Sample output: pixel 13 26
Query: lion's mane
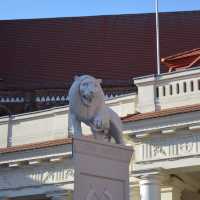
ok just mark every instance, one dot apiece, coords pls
pixel 85 113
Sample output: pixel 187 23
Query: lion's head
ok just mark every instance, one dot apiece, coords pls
pixel 87 89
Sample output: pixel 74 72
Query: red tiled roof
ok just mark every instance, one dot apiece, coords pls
pixel 162 113
pixel 182 60
pixel 38 145
pixel 47 53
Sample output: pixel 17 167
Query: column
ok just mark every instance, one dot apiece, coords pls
pixel 150 187
pixel 135 193
pixel 65 195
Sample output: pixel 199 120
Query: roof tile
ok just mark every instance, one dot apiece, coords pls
pixel 162 113
pixel 47 53
pixel 38 145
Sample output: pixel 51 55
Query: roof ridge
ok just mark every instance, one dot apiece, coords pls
pixel 97 16
pixel 38 145
pixel 161 113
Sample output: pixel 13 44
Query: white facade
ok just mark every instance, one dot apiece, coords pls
pixel 166 141
pixel 51 124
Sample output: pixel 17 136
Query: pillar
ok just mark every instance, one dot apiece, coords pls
pixel 150 187
pixel 108 175
pixel 135 193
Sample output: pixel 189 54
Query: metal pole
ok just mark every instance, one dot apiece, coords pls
pixel 157 39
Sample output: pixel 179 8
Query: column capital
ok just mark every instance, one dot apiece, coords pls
pixel 150 176
pixel 151 179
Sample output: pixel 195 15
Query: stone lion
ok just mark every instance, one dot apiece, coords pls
pixel 86 104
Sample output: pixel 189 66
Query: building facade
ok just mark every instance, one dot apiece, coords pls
pixel 163 129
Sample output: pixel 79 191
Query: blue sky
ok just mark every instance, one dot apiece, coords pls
pixel 24 9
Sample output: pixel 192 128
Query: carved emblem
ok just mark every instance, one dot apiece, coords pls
pixel 158 150
pixel 69 172
pixel 52 176
pixel 186 145
pixel 46 176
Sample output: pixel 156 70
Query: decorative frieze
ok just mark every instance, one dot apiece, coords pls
pixel 11 99
pixel 168 148
pixel 35 176
pixel 51 176
pixel 62 98
pixel 51 98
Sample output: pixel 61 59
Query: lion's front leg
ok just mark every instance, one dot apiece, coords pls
pixel 98 122
pixel 74 126
pixel 102 120
pixel 96 130
pixel 100 126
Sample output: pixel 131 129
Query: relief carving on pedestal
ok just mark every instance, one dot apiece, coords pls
pixel 92 195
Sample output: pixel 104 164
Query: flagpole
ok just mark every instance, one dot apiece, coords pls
pixel 157 39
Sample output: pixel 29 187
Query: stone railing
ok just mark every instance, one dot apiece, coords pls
pixel 51 123
pixel 181 92
pixel 179 88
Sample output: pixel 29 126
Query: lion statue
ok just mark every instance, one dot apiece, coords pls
pixel 87 105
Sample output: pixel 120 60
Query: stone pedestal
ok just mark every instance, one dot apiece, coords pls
pixel 101 170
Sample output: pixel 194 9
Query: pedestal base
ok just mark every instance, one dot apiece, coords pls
pixel 101 170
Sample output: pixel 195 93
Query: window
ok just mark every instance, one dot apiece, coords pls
pixel 170 90
pixel 157 92
pixel 164 91
pixel 198 84
pixel 184 87
pixel 191 86
pixel 177 88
